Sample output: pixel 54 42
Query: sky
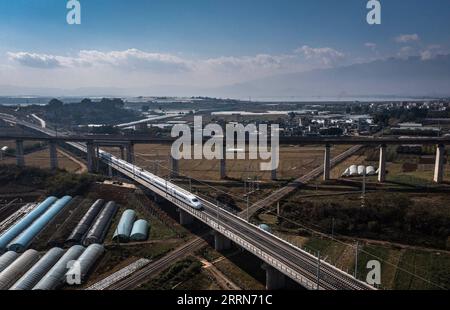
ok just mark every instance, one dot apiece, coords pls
pixel 198 44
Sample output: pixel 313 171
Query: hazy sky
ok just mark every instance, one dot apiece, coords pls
pixel 205 43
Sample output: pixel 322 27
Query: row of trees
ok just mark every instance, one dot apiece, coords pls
pixel 400 114
pixel 106 111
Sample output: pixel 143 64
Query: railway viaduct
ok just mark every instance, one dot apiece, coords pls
pixel 281 259
pixel 126 146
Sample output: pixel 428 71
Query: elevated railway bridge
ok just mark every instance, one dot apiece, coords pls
pixel 281 259
pixel 126 145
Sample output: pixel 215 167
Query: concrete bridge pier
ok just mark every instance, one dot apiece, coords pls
pixel 439 166
pixel 185 218
pixel 221 242
pixel 175 172
pixel 275 153
pixel 273 175
pixel 53 155
pixel 382 164
pixel 129 149
pixel 90 157
pixel 223 160
pixel 327 163
pixel 275 280
pixel 122 152
pixel 156 197
pixel 20 158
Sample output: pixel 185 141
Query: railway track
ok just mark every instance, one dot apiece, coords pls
pixel 292 186
pixel 143 275
pixel 330 277
pixel 288 259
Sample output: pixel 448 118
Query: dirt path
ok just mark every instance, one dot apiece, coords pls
pixel 222 280
pixel 83 167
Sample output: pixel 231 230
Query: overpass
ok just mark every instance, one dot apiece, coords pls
pixel 127 142
pixel 281 259
pixel 138 139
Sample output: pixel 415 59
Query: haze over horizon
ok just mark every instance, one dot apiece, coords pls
pixel 211 48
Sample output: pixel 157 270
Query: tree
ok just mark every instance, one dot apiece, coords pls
pixel 55 104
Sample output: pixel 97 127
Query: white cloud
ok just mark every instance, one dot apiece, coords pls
pixel 431 52
pixel 137 68
pixel 35 60
pixel 406 51
pixel 131 59
pixel 246 63
pixel 134 59
pixel 326 56
pixel 370 45
pixel 406 38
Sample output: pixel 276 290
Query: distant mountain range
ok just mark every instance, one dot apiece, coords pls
pixel 393 77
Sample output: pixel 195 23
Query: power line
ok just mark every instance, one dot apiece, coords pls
pixel 308 228
pixel 362 251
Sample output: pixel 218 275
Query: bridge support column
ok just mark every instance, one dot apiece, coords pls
pixel 382 164
pixel 273 174
pixel 174 173
pixel 221 242
pixel 122 152
pixel 327 163
pixel 275 280
pixel 223 161
pixel 20 158
pixel 53 155
pixel 185 218
pixel 275 161
pixel 439 166
pixel 156 197
pixel 130 153
pixel 91 157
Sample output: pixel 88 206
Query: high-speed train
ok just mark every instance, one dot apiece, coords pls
pixel 166 186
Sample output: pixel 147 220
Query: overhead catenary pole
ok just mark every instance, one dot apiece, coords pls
pixel 332 227
pixel 248 219
pixel 355 274
pixel 217 209
pixel 363 193
pixel 318 269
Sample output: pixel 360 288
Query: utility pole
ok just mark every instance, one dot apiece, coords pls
pixel 248 219
pixel 356 260
pixel 363 194
pixel 217 208
pixel 332 227
pixel 166 184
pixel 318 270
pixel 190 185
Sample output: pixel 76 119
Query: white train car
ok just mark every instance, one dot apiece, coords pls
pixel 164 185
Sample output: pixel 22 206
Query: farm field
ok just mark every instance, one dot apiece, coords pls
pixel 295 161
pixel 41 159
